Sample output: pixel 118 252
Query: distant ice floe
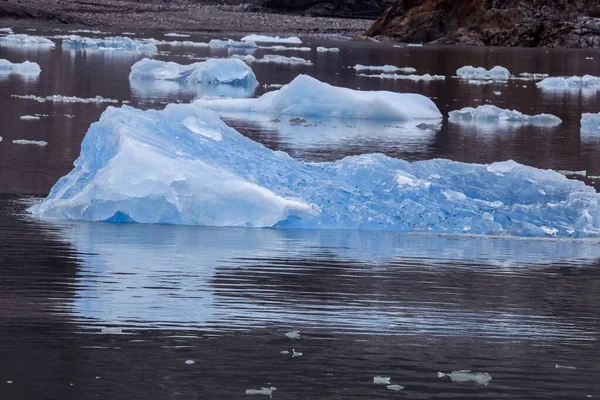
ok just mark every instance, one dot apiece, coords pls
pixel 570 83
pixel 590 123
pixel 491 114
pixel 40 143
pixel 384 68
pixel 26 68
pixel 308 97
pixel 232 44
pixel 265 391
pixel 25 40
pixel 414 45
pixel 558 366
pixel 271 39
pixel 173 43
pixel 273 59
pixel 327 49
pixel 30 117
pixel 533 76
pixel 381 380
pixel 395 387
pixel 6 30
pixel 75 42
pixel 284 48
pixel 466 375
pixel 174 34
pixel 470 72
pixel 293 334
pixel 425 77
pixel 57 98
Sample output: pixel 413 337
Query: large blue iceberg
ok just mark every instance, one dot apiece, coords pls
pixel 183 165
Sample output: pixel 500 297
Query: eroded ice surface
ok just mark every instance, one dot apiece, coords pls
pixel 26 68
pixel 466 375
pixel 590 123
pixel 22 39
pixel 273 59
pixel 470 72
pixel 306 96
pixel 213 71
pixel 384 68
pixel 75 42
pixel 491 114
pixel 183 165
pixel 271 39
pixel 570 83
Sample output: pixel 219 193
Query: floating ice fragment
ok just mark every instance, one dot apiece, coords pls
pixel 533 76
pixel 9 382
pixel 590 123
pixel 26 68
pixel 384 68
pixel 284 352
pixel 558 366
pixel 108 43
pixel 232 44
pixel 572 173
pixel 570 83
pixel 326 49
pixel 29 117
pixel 426 77
pixel 293 334
pixel 296 353
pixel 40 143
pixel 262 391
pixel 470 72
pixel 173 34
pixel 307 97
pixel 395 387
pixel 111 330
pixel 271 39
pixel 190 362
pixel 466 375
pixel 497 92
pixel 414 45
pixel 480 82
pixel 25 40
pixel 273 59
pixel 0 138
pixel 6 30
pixel 491 114
pixel 57 98
pixel 381 380
pixel 284 48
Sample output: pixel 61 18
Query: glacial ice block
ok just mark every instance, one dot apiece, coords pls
pixel 570 83
pixel 75 42
pixel 26 68
pixel 306 96
pixel 232 44
pixel 470 72
pixel 22 39
pixel 271 39
pixel 183 165
pixel 491 114
pixel 212 71
pixel 590 123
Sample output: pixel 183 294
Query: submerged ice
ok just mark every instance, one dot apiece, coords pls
pixel 491 114
pixel 183 165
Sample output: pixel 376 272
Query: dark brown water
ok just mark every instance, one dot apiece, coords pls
pixel 94 310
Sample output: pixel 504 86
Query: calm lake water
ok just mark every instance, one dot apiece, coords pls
pixel 107 311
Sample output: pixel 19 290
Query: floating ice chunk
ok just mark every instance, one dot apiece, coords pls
pixel 570 83
pixel 57 98
pixel 533 76
pixel 426 77
pixel 173 34
pixel 284 352
pixel 480 81
pixel 108 43
pixel 497 92
pixel 40 143
pixel 6 30
pixel 296 353
pixel 307 97
pixel 190 362
pixel 470 72
pixel 188 43
pixel 327 49
pixel 0 138
pixel 25 40
pixel 232 44
pixel 29 117
pixel 273 59
pixel 395 387
pixel 414 45
pixel 148 167
pixel 262 391
pixel 572 173
pixel 111 330
pixel 384 68
pixel 284 48
pixel 293 334
pixel 271 39
pixel 590 123
pixel 26 68
pixel 558 366
pixel 381 380
pixel 466 375
pixel 491 114
pixel 213 71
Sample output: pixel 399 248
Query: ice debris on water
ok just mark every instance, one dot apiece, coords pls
pixel 57 98
pixel 271 39
pixel 327 49
pixel 296 353
pixel 395 387
pixel 284 352
pixel 479 82
pixel 284 48
pixel 307 97
pixel 27 68
pixel 426 77
pixel 570 83
pixel 558 366
pixel 384 68
pixel 0 138
pixel 40 143
pixel 265 391
pixel 6 30
pixel 190 362
pixel 381 380
pixel 232 44
pixel 590 123
pixel 213 71
pixel 465 375
pixel 174 34
pixel 414 45
pixel 273 59
pixel 25 40
pixel 29 117
pixel 75 42
pixel 293 334
pixel 491 114
pixel 183 165
pixel 470 72
pixel 111 330
pixel 533 76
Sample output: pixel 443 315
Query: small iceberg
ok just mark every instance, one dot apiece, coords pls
pixel 466 375
pixel 410 77
pixel 273 59
pixel 271 39
pixel 590 123
pixel 284 48
pixel 25 40
pixel 26 68
pixel 381 380
pixel 75 42
pixel 470 72
pixel 384 68
pixel 308 97
pixel 213 71
pixel 533 76
pixel 327 50
pixel 6 30
pixel 293 334
pixel 491 114
pixel 265 391
pixel 183 165
pixel 174 34
pixel 30 117
pixel 57 98
pixel 395 387
pixel 570 83
pixel 232 44
pixel 40 143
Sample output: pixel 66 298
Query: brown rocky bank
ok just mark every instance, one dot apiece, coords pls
pixel 532 23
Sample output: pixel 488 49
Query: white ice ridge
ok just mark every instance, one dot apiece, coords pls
pixel 470 72
pixel 570 83
pixel 232 44
pixel 25 68
pixel 183 165
pixel 384 68
pixel 40 143
pixel 174 34
pixel 284 48
pixel 214 71
pixel 409 77
pixel 273 59
pixel 488 113
pixel 590 123
pixel 327 49
pixel 307 97
pixel 57 98
pixel 22 39
pixel 271 39
pixel 465 375
pixel 188 43
pixel 75 42
pixel 533 76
